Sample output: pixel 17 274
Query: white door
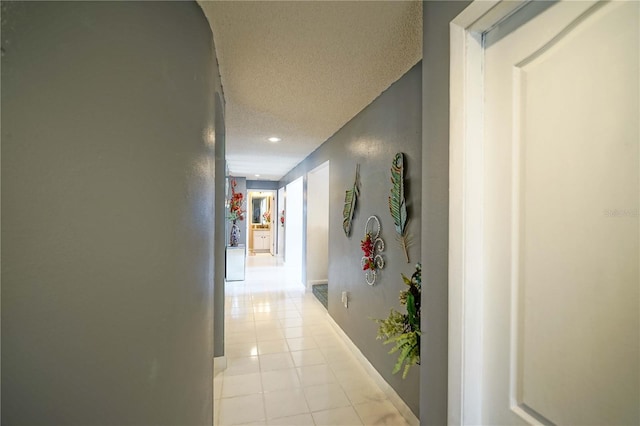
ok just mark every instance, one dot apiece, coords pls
pixel 545 232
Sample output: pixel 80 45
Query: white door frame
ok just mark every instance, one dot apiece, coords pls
pixel 466 171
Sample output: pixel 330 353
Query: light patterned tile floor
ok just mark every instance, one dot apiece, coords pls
pixel 285 363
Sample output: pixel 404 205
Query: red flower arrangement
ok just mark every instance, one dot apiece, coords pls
pixel 367 248
pixel 235 204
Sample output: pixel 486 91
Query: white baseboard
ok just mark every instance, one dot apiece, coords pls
pixel 395 399
pixel 219 364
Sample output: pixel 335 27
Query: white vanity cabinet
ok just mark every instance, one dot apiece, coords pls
pixel 261 240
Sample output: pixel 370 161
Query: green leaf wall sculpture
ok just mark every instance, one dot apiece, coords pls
pixel 397 203
pixel 350 199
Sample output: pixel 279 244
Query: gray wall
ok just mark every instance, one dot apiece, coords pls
pixel 263 185
pixel 107 213
pixel 390 124
pixel 435 208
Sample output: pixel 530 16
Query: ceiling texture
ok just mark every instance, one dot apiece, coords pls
pixel 300 70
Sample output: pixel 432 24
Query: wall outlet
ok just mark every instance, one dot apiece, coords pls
pixel 345 299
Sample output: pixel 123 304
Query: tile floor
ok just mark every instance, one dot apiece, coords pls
pixel 285 363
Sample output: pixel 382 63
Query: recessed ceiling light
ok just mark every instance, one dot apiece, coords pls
pixel 274 139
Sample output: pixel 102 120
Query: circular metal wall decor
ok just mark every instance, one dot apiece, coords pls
pixel 372 245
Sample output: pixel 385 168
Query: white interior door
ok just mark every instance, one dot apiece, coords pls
pixel 545 215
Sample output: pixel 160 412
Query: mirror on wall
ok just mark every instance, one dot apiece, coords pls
pixel 260 205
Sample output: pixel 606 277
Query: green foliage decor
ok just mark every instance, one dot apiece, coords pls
pixel 403 330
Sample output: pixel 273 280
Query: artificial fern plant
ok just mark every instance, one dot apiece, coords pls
pixel 403 330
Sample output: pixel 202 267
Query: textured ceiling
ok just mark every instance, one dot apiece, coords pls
pixel 300 70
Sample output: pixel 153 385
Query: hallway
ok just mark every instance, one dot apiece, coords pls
pixel 286 364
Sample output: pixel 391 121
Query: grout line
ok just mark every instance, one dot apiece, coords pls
pixel 297 300
pixel 393 397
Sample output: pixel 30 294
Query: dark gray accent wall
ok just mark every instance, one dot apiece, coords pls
pixel 107 213
pixel 390 124
pixel 435 208
pixel 263 185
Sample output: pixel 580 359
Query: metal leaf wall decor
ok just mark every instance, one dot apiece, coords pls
pixel 372 245
pixel 397 203
pixel 350 199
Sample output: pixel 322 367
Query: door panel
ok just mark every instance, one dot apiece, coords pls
pixel 561 226
pixel 578 274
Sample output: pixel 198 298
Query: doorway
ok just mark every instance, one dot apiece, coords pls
pixel 294 228
pixel 261 210
pixel 281 222
pixel 317 246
